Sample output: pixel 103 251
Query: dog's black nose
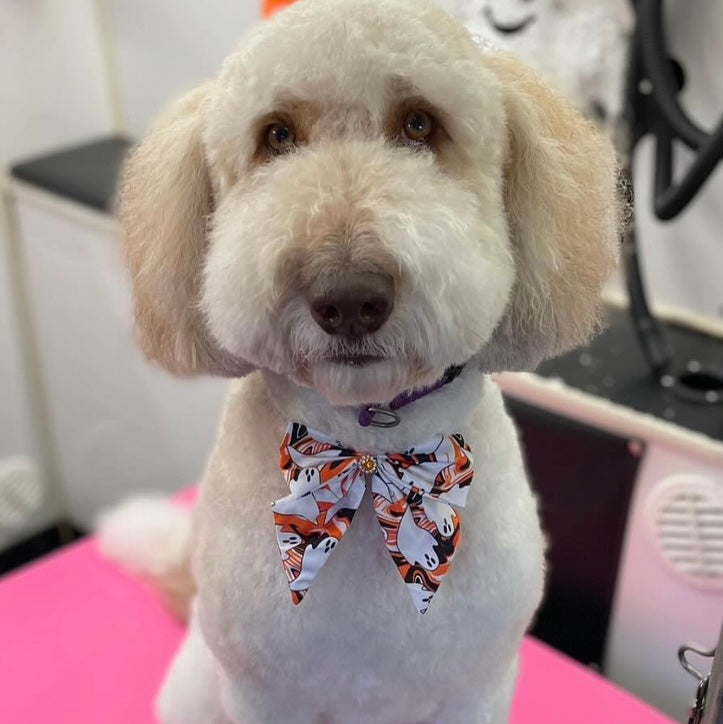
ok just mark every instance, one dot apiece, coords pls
pixel 355 305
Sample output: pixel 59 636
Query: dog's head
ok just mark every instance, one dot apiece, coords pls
pixel 362 199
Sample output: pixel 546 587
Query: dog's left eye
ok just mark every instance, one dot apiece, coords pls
pixel 280 138
pixel 419 127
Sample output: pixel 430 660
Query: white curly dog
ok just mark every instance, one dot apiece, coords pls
pixel 360 201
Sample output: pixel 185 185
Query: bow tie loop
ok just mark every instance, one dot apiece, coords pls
pixel 413 494
pixel 441 469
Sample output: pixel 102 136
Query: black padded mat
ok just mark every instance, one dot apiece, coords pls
pixel 38 545
pixel 87 173
pixel 613 367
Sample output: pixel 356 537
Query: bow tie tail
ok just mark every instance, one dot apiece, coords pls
pixel 309 528
pixel 421 539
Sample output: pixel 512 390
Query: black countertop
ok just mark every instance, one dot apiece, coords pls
pixel 613 367
pixel 86 173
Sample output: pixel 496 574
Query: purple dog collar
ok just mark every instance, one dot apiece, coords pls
pixel 386 415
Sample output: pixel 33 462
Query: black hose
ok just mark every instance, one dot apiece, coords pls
pixel 656 110
pixel 656 61
pixel 671 199
pixel 650 333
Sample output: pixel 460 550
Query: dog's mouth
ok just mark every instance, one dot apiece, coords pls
pixel 355 360
pixel 508 28
pixel 353 378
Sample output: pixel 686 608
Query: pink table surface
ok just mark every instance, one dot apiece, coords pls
pixel 83 643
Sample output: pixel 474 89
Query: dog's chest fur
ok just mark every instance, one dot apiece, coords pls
pixel 356 635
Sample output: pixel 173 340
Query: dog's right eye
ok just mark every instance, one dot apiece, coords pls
pixel 419 127
pixel 280 138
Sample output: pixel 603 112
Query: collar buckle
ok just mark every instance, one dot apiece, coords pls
pixel 386 417
pixel 379 417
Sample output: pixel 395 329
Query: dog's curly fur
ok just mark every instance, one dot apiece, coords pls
pixel 498 235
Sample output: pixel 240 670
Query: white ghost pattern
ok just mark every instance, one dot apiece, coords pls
pixel 416 544
pixel 440 514
pixel 312 561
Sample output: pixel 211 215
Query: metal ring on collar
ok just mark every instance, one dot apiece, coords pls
pixel 383 417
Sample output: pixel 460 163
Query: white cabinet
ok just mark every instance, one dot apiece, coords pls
pixel 117 424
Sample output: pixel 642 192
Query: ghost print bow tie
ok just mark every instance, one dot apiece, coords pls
pixel 413 496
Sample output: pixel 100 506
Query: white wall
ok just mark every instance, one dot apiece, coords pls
pixel 52 81
pixel 52 91
pixel 163 47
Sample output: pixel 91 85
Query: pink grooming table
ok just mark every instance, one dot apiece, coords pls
pixel 83 643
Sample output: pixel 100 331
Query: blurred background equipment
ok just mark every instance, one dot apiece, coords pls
pixel 630 472
pixel 653 108
pixel 580 46
pixel 708 702
pixel 272 6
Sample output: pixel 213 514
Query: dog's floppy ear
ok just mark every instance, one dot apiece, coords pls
pixel 564 214
pixel 165 202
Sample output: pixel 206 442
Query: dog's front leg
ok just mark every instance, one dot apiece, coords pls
pixel 487 703
pixel 254 704
pixel 190 692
